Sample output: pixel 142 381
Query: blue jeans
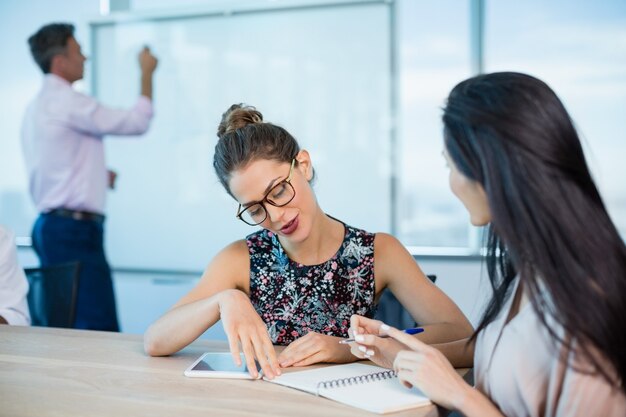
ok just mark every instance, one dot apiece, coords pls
pixel 61 239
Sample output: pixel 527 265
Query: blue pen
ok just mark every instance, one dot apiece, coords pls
pixel 414 330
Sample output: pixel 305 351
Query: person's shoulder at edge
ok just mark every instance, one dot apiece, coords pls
pixel 5 236
pixel 12 281
pixel 7 240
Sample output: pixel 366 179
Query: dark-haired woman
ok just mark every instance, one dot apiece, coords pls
pixel 299 279
pixel 552 341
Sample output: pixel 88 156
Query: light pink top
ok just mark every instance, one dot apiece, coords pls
pixel 517 366
pixel 63 149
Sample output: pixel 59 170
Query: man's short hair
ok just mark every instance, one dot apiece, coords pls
pixel 49 41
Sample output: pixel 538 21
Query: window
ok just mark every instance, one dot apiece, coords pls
pixel 579 49
pixel 433 56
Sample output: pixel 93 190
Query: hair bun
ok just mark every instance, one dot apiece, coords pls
pixel 238 116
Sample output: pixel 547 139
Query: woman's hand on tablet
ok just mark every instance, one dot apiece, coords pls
pixel 244 327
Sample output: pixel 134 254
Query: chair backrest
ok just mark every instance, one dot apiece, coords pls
pixel 52 294
pixel 391 311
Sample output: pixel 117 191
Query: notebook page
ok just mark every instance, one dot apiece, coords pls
pixel 380 396
pixel 308 380
pixel 383 396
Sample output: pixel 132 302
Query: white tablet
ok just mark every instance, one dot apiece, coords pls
pixel 220 365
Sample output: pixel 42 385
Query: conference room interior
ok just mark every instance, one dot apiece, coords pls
pixel 360 83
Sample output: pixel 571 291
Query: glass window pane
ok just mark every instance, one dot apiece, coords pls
pixel 433 56
pixel 579 49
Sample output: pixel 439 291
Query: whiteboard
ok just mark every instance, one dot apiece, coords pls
pixel 323 73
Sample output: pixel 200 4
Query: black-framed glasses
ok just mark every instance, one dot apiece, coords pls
pixel 278 196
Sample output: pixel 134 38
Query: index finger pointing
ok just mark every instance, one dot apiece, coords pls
pixel 402 337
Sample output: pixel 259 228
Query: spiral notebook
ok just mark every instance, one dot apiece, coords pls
pixel 368 387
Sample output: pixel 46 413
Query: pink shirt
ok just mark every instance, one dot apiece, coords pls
pixel 517 366
pixel 62 143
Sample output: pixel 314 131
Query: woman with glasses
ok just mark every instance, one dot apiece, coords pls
pixel 299 279
pixel 552 340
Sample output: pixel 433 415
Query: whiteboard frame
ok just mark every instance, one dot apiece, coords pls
pixel 256 7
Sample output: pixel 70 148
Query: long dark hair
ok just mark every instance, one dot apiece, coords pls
pixel 244 137
pixel 549 226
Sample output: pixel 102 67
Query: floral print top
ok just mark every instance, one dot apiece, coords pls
pixel 294 299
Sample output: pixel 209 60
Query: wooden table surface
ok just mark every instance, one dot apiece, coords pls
pixel 61 372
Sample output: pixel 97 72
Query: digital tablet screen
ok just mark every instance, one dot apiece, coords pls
pixel 222 362
pixel 219 365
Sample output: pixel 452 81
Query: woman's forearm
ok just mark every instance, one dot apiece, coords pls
pixel 450 339
pixel 445 332
pixel 458 352
pixel 181 326
pixel 476 404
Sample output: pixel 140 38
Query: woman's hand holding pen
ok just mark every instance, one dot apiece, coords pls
pixel 427 369
pixel 244 327
pixel 313 348
pixel 369 344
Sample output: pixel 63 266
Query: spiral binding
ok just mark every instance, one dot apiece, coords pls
pixel 354 380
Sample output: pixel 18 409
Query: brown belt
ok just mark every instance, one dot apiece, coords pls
pixel 77 215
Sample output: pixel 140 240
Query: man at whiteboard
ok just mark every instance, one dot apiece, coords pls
pixel 62 136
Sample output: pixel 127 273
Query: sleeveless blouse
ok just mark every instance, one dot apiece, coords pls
pixel 294 299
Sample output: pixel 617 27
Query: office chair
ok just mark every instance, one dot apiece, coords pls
pixel 52 294
pixel 390 310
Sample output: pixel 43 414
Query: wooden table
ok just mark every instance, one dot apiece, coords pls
pixel 61 372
